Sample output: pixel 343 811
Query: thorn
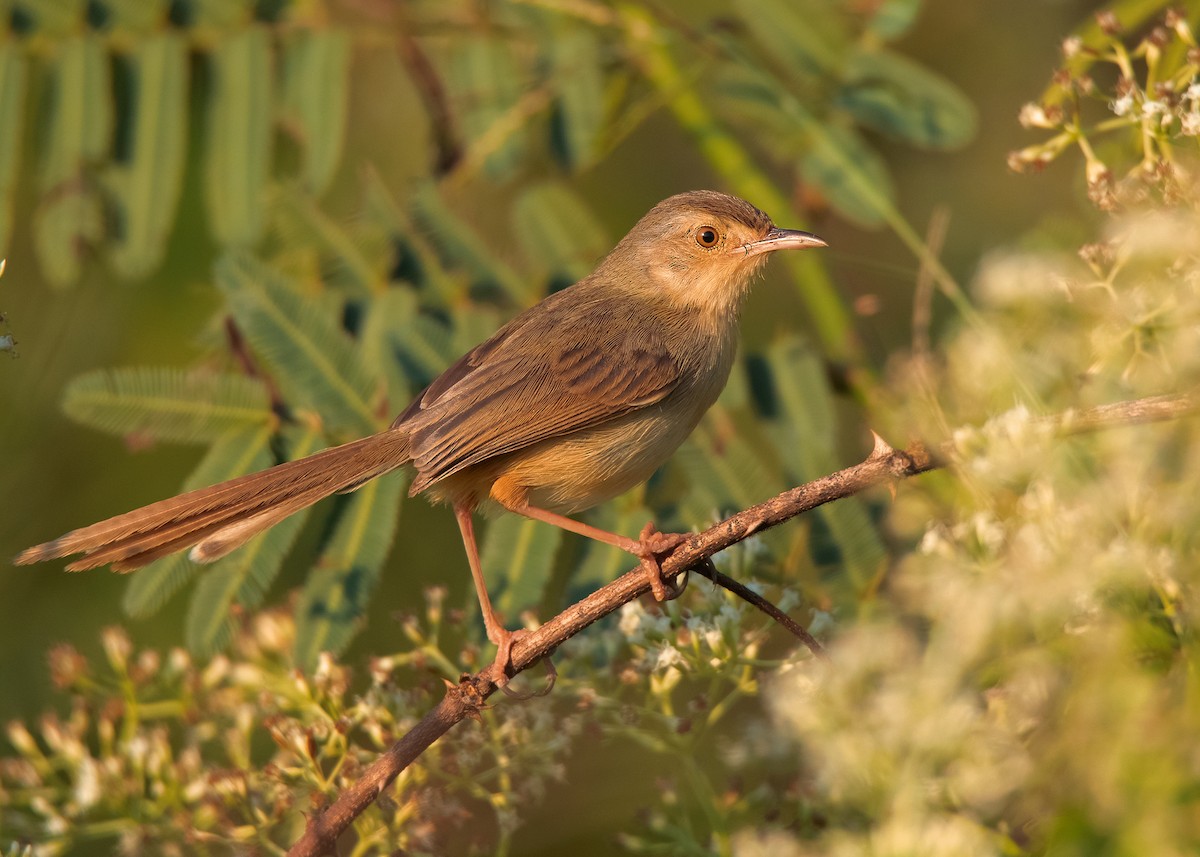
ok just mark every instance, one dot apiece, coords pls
pixel 882 448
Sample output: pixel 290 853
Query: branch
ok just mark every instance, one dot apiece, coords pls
pixel 883 465
pixel 707 569
pixel 447 147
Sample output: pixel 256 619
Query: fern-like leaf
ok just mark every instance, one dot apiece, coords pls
pixel 317 365
pixel 335 597
pixel 558 232
pixel 148 184
pixel 239 136
pixel 387 315
pixel 460 245
pixel 243 577
pixel 70 219
pixel 518 554
pixel 167 404
pixel 236 453
pixel 315 98
pixel 807 439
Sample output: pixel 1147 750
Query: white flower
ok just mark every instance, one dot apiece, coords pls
pixel 1033 116
pixel 1153 108
pixel 666 657
pixel 1123 106
pixel 87 783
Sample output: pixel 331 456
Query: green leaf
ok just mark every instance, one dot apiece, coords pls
pixel 473 324
pixel 238 452
pixel 579 86
pixel 243 577
pixel 79 133
pixel 239 136
pixel 558 232
pixel 428 345
pixel 486 85
pixel 418 262
pixel 893 18
pixel 335 597
pixel 458 243
pixel 316 364
pixel 754 99
pixel 53 18
pixel 138 16
pixel 851 174
pixel 298 221
pixel 806 436
pixel 146 185
pixel 153 586
pixel 12 98
pixel 892 94
pixel 833 157
pixel 518 553
pixel 387 315
pixel 218 15
pixel 316 68
pixel 806 37
pixel 603 563
pixel 167 404
pixel 724 470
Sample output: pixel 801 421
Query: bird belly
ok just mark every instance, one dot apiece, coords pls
pixel 583 469
pixel 586 468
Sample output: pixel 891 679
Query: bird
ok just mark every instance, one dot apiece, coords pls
pixel 574 401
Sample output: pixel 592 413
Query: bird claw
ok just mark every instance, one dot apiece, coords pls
pixel 504 660
pixel 653 544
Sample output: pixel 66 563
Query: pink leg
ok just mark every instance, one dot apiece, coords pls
pixel 648 548
pixel 496 632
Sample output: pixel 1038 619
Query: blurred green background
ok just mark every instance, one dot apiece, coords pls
pixel 56 474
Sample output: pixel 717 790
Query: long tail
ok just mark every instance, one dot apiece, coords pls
pixel 225 516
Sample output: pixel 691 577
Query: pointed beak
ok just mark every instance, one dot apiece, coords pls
pixel 783 239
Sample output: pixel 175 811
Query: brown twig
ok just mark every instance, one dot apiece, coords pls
pixel 447 146
pixel 741 590
pixel 465 699
pixel 245 360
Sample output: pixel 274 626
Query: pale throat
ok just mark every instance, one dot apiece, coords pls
pixel 716 289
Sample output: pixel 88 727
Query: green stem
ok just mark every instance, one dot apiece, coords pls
pixel 707 798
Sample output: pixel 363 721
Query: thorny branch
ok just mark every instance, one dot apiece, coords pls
pixel 883 465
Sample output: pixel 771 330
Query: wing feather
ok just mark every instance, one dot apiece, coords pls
pixel 536 378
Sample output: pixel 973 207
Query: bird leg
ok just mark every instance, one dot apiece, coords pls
pixel 649 547
pixel 496 632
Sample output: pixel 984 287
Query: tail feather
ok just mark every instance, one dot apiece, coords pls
pixel 233 536
pixel 226 515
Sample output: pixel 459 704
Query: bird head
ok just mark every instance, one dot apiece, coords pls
pixel 700 249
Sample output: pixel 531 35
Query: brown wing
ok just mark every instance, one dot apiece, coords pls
pixel 542 376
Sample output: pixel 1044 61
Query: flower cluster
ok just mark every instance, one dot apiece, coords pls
pixel 162 755
pixel 1155 100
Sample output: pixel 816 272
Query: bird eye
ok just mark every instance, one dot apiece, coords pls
pixel 707 236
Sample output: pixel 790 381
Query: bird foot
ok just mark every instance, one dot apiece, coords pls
pixel 504 660
pixel 651 546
